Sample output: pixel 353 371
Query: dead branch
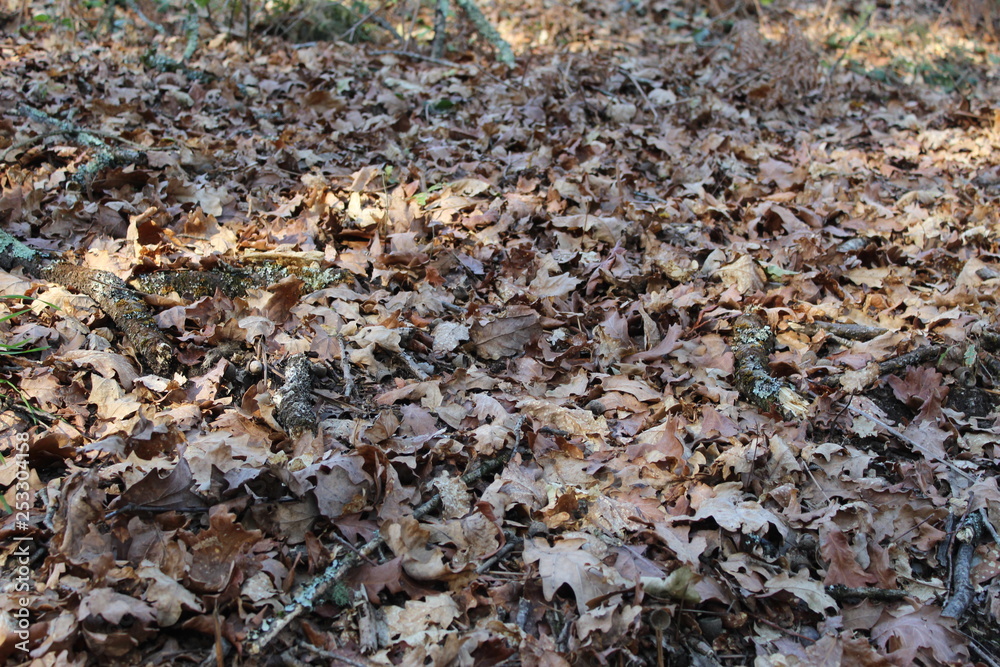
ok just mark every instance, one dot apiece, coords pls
pixel 122 304
pixel 105 157
pixel 504 53
pixel 752 344
pixel 842 593
pixel 849 331
pixel 897 364
pixel 295 410
pixel 968 535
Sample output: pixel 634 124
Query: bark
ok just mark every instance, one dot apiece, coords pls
pixel 295 410
pixel 122 304
pixel 752 345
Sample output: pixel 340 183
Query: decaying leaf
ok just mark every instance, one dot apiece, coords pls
pixel 505 336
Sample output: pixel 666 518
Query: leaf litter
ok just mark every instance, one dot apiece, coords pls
pixel 552 266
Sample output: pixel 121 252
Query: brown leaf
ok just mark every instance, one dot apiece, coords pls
pixel 343 486
pixel 506 336
pixel 172 491
pixel 214 551
pixel 843 568
pixel 567 562
pixel 906 634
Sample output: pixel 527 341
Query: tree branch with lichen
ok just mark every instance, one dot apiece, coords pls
pixel 752 344
pixel 125 306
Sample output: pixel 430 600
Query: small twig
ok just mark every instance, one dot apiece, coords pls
pixel 513 542
pixel 984 655
pixel 850 331
pixel 330 655
pixel 790 633
pixel 988 525
pixel 896 433
pixel 290 660
pixel 349 33
pixel 649 105
pixel 841 593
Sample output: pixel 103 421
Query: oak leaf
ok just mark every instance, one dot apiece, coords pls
pixel 506 336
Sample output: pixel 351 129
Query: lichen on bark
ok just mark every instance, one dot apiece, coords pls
pixel 123 304
pixel 295 410
pixel 752 344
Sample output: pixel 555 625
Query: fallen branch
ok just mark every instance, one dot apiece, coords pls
pixel 849 331
pixel 105 157
pixel 504 53
pixel 295 410
pixel 842 593
pixel 122 304
pixel 897 364
pixel 752 344
pixel 968 535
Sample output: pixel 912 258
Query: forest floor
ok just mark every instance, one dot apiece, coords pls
pixel 535 270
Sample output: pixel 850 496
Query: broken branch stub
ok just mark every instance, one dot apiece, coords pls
pixel 752 344
pixel 295 410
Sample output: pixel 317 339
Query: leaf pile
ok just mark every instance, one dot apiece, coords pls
pixel 548 262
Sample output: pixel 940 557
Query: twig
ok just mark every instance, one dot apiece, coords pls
pixel 968 535
pixel 373 13
pixel 410 363
pixel 841 593
pixel 896 364
pixel 790 633
pixel 850 331
pixel 504 53
pixel 984 655
pixel 330 655
pixel 642 92
pixel 512 543
pixel 896 433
